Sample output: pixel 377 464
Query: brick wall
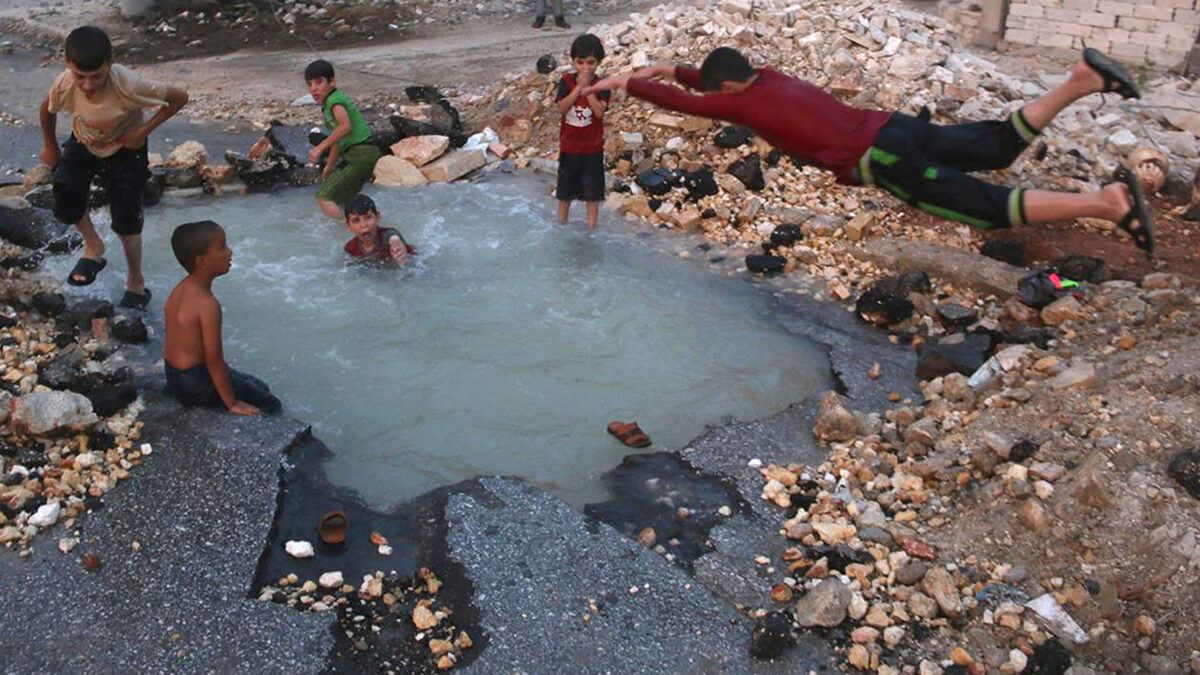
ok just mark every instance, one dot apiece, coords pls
pixel 1162 31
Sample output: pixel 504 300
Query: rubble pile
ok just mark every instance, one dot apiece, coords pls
pixel 935 539
pixel 682 172
pixel 382 603
pixel 68 406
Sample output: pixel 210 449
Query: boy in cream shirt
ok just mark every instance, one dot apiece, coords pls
pixel 108 137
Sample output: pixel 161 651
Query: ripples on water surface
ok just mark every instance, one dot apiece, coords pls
pixel 506 349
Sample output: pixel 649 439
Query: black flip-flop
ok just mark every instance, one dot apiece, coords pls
pixel 1116 78
pixel 133 300
pixel 88 269
pixel 1143 236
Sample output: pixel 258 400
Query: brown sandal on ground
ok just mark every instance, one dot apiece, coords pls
pixel 630 434
pixel 332 528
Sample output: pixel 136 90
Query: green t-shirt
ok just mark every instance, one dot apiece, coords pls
pixel 359 131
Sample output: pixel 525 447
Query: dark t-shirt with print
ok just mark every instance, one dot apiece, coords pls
pixel 580 132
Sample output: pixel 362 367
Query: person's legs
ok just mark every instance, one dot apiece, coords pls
pixel 72 192
pixel 347 180
pixel 330 208
pixel 127 172
pixel 1044 206
pixel 254 391
pixel 132 243
pixel 994 144
pixel 569 186
pixel 591 184
pixel 539 18
pixel 593 214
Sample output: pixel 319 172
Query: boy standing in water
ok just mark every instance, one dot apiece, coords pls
pixel 349 139
pixel 924 164
pixel 370 241
pixel 108 138
pixel 581 136
pixel 192 355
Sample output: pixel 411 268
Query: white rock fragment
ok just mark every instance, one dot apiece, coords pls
pixel 47 514
pixel 299 549
pixel 330 580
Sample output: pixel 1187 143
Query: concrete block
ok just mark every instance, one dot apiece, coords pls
pixel 1187 17
pixel 1064 15
pixel 1098 19
pixel 1114 35
pixel 1072 29
pixel 454 165
pixel 1168 30
pixel 1129 51
pixel 1059 41
pixel 393 171
pixel 1021 36
pixel 1082 5
pixel 1026 10
pixel 1118 8
pixel 1147 39
pixel 1133 23
pixel 1148 11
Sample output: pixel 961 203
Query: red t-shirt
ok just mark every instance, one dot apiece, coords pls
pixel 581 132
pixel 795 116
pixel 383 249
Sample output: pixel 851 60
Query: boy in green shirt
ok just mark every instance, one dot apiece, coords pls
pixel 349 139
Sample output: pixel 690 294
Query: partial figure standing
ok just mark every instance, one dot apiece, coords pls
pixel 556 5
pixel 108 139
pixel 581 132
pixel 352 155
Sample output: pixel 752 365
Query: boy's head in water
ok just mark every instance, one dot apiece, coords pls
pixel 586 54
pixel 200 247
pixel 319 78
pixel 725 71
pixel 362 218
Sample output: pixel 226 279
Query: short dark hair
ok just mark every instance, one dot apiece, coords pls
pixel 88 48
pixel 359 205
pixel 318 68
pixel 722 65
pixel 191 240
pixel 587 45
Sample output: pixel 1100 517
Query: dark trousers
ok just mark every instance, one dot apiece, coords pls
pixel 927 166
pixel 194 387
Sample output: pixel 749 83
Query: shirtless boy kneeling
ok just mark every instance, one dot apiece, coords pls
pixel 192 354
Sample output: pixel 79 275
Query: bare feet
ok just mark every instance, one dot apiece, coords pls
pixel 1120 203
pixel 1085 80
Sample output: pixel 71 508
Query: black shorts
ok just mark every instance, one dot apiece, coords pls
pixel 125 172
pixel 581 177
pixel 926 165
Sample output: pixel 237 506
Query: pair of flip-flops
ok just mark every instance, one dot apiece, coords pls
pixel 1118 80
pixel 84 274
pixel 1143 233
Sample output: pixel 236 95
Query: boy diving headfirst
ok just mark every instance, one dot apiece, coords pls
pixel 921 163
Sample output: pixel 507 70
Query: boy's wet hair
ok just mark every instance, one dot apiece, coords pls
pixel 88 48
pixel 318 68
pixel 191 240
pixel 587 45
pixel 724 64
pixel 359 205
